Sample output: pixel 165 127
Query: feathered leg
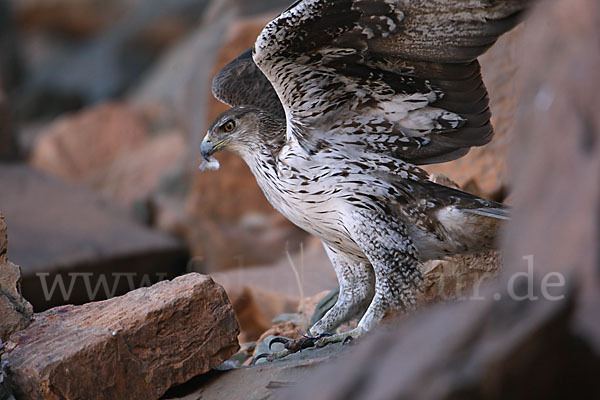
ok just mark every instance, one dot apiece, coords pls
pixel 357 285
pixel 357 282
pixel 398 278
pixel 386 243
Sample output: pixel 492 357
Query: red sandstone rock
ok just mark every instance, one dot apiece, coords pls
pixel 135 175
pixel 77 146
pixel 15 311
pixel 135 346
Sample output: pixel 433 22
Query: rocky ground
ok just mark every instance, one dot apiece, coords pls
pixel 103 105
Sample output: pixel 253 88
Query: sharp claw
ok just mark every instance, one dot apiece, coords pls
pixel 347 339
pixel 294 345
pixel 279 339
pixel 258 357
pixel 310 340
pixel 307 342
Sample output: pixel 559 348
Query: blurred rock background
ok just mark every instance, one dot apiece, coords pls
pixel 103 105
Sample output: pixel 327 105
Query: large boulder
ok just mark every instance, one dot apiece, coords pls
pixel 135 346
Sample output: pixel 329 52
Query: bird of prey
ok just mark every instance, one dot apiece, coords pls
pixel 334 109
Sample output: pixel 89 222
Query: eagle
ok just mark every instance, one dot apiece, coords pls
pixel 334 110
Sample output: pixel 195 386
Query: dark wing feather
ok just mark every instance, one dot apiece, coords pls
pixel 393 76
pixel 242 83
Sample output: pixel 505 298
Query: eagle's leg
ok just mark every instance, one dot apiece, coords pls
pixel 386 243
pixel 388 247
pixel 357 284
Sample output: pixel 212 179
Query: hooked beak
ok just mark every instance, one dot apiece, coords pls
pixel 207 149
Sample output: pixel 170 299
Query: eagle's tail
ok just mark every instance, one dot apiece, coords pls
pixel 474 229
pixel 501 212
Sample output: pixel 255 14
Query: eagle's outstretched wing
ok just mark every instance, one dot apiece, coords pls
pixel 241 83
pixel 394 76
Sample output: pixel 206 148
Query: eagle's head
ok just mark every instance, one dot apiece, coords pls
pixel 236 130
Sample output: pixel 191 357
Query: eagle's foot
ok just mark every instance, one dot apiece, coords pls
pixel 344 337
pixel 292 346
pixel 271 356
pixel 306 341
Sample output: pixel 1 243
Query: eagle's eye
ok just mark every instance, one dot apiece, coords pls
pixel 229 126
